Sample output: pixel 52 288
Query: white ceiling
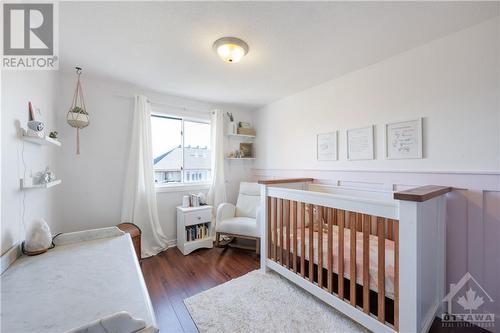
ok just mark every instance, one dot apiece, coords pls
pixel 167 46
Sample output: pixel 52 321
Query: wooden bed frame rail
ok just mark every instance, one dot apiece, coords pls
pixel 288 212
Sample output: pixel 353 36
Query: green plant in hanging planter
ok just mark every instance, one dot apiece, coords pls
pixel 78 109
pixel 78 117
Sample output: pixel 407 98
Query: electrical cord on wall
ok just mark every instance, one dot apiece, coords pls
pixel 23 212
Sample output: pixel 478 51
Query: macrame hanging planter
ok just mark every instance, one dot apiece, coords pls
pixel 77 115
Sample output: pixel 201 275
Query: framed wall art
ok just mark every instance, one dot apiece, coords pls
pixel 360 143
pixel 327 146
pixel 403 140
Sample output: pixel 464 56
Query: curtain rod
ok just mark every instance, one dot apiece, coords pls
pixel 169 105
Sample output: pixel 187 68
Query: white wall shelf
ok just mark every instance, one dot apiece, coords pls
pixel 242 136
pixel 44 141
pixel 240 158
pixel 28 184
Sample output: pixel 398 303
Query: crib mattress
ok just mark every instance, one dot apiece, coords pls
pixel 373 256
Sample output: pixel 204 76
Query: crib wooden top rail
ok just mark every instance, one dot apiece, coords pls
pixel 284 181
pixel 422 193
pixel 376 207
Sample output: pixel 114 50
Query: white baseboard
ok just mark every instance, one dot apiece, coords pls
pixel 171 243
pixel 9 257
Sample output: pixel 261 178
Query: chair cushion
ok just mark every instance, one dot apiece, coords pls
pixel 248 200
pixel 250 188
pixel 243 226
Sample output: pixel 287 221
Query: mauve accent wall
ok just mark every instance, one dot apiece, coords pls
pixel 473 217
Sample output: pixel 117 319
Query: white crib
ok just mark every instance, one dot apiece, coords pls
pixel 313 233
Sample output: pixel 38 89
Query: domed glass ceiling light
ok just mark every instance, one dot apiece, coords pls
pixel 230 49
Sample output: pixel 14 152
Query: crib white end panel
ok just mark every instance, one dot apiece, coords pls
pixel 264 218
pixel 422 263
pixel 408 267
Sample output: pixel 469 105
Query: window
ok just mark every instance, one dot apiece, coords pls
pixel 181 150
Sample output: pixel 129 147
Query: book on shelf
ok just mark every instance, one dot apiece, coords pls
pixel 196 232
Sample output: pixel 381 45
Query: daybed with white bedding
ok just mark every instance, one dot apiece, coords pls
pixel 90 282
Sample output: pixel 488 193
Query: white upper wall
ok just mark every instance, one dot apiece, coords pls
pixel 92 188
pixel 18 88
pixel 453 83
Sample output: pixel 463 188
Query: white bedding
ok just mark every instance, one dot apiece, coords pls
pixel 73 285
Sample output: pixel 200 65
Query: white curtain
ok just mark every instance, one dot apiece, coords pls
pixel 139 197
pixel 217 191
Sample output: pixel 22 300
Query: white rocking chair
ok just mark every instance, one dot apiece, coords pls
pixel 242 220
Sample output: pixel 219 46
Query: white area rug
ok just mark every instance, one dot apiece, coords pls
pixel 258 302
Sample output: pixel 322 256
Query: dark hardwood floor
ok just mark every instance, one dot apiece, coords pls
pixel 171 277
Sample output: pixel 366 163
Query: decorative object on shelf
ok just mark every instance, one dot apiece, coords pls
pixel 234 154
pixel 203 198
pixel 243 124
pixel 403 140
pixel 31 114
pixel 360 143
pixel 46 176
pixel 231 126
pixel 38 238
pixel 327 146
pixel 185 201
pixel 53 135
pixel 35 127
pixel 246 131
pixel 78 116
pixel 246 149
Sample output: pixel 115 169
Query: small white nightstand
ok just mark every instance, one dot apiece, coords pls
pixel 193 228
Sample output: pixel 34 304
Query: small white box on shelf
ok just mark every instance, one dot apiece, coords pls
pixel 193 228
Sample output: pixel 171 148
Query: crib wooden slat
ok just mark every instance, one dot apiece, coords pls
pixel 374 226
pixel 269 221
pixel 381 269
pixel 302 215
pixel 396 275
pixel 353 226
pixel 320 246
pixel 275 229
pixel 310 214
pixel 366 263
pixel 293 219
pixel 280 222
pixel 359 222
pixel 329 265
pixel 340 221
pixel 390 225
pixel 286 216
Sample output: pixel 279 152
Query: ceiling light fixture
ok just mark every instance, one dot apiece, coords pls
pixel 230 49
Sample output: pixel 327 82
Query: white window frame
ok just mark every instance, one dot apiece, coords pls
pixel 182 186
